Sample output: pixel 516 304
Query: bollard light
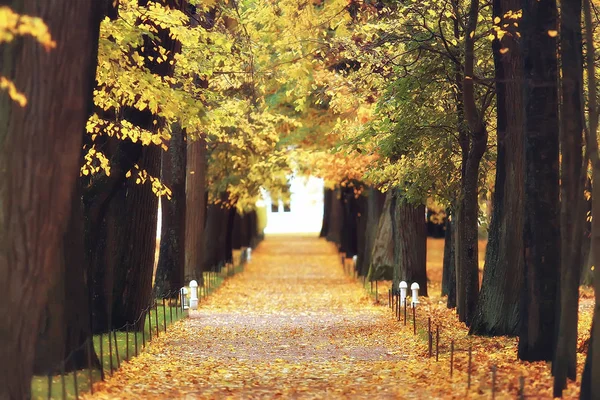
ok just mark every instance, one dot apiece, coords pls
pixel 403 288
pixel 415 292
pixel 354 261
pixel 193 295
pixel 249 253
pixel 184 299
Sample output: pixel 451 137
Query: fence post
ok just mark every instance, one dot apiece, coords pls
pixel 156 315
pixel 521 387
pixel 493 382
pixel 451 358
pixel 62 380
pixel 89 357
pixel 75 384
pixel 469 367
pixel 110 351
pixel 376 293
pixel 49 386
pixel 429 337
pixel 101 357
pixel 149 323
pixel 437 343
pixel 414 319
pixel 117 349
pixel 143 334
pixel 405 302
pixel 164 314
pixel 127 342
pixel 135 342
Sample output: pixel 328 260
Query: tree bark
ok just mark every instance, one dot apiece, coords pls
pixel 473 148
pixel 65 325
pixel 215 238
pixel 335 220
pixel 327 193
pixel 39 154
pixel 542 228
pixel 410 242
pixel 361 230
pixel 382 259
pixel 498 308
pixel 349 244
pixel 229 239
pixel 170 272
pixel 590 382
pixel 449 270
pixel 572 178
pixel 195 198
pixel 375 201
pixel 132 240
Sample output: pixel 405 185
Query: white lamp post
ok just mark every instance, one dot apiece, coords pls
pixel 403 288
pixel 415 292
pixel 193 295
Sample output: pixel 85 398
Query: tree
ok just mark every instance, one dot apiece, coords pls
pixel 498 308
pixel 572 180
pixel 590 382
pixel 374 209
pixel 170 271
pixel 38 171
pixel 473 145
pixel 449 269
pixel 410 241
pixel 542 229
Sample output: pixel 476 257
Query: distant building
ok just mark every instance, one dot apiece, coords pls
pixel 304 214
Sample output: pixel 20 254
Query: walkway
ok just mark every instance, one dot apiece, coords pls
pixel 292 325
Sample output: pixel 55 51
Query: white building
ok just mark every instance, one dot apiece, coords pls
pixel 306 208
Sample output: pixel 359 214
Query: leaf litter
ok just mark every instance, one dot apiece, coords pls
pixel 293 325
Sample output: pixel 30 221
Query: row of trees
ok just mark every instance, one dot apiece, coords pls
pixel 471 100
pixel 116 104
pixel 204 102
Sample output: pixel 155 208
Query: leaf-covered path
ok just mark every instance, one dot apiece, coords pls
pixel 292 324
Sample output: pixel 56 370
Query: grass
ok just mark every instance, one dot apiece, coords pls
pixel 64 386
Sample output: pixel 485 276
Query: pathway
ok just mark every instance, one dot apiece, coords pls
pixel 292 325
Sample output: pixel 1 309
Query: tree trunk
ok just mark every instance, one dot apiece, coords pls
pixel 335 219
pixel 348 232
pixel 590 383
pixel 449 269
pixel 467 237
pixel 473 148
pixel 170 276
pixel 498 308
pixel 542 229
pixel 240 237
pixel 375 201
pixel 229 239
pixel 195 198
pixel 410 242
pixel 382 259
pixel 587 271
pixel 132 240
pixel 572 178
pixel 40 145
pixel 215 238
pixel 65 324
pixel 326 212
pixel 361 233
